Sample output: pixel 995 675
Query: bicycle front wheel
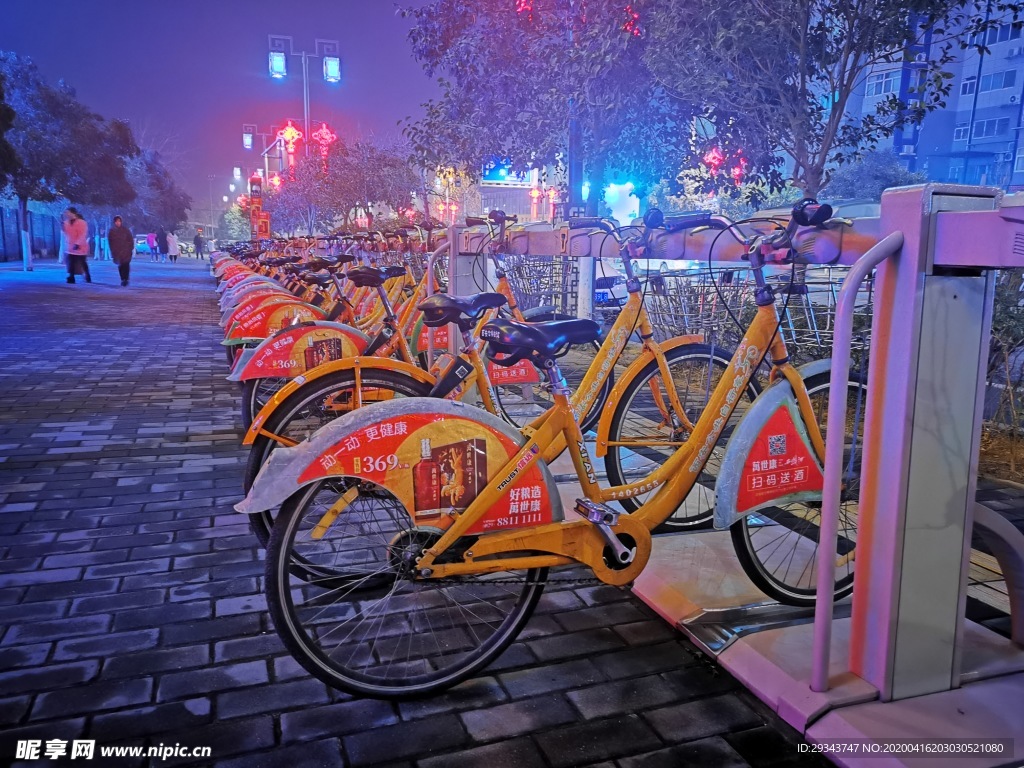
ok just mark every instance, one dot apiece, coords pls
pixel 778 546
pixel 255 394
pixel 645 431
pixel 359 620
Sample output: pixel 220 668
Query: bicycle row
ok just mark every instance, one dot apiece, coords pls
pixel 406 501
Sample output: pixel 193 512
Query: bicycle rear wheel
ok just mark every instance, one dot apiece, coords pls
pixel 522 403
pixel 359 620
pixel 644 433
pixel 778 546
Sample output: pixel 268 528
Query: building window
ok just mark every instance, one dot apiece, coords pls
pixel 984 129
pixel 883 83
pixel 997 81
pixel 968 86
pixel 999 34
pixel 961 132
pixel 1018 165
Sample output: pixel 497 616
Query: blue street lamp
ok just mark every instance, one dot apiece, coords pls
pixel 282 46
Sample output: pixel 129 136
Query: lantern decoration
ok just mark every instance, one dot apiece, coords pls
pixel 632 25
pixel 289 135
pixel 275 181
pixel 324 137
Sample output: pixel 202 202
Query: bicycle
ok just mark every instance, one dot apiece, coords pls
pixel 422 563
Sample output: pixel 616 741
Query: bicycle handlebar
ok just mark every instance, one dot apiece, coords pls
pixel 500 217
pixel 586 222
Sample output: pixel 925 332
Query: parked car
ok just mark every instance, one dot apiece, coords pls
pixel 141 246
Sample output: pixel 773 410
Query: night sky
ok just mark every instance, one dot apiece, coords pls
pixel 188 73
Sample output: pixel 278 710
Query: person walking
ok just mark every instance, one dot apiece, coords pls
pixel 161 243
pixel 198 243
pixel 151 242
pixel 76 232
pixel 122 244
pixel 173 249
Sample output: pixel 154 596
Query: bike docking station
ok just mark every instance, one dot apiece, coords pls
pixel 875 680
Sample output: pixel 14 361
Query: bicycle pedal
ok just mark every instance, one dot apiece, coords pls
pixel 596 512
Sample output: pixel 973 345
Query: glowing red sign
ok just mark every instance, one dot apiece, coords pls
pixel 289 135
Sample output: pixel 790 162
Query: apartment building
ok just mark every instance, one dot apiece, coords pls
pixel 976 137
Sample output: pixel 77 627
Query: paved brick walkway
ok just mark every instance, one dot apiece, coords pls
pixel 131 608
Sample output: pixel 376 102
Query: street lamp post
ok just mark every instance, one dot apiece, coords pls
pixel 282 46
pixel 210 179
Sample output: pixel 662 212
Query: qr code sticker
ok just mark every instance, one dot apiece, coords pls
pixel 776 445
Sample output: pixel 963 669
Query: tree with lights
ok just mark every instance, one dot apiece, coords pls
pixel 307 202
pixel 513 73
pixel 372 174
pixel 790 67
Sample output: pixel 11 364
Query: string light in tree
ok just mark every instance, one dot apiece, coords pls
pixel 739 170
pixel 713 159
pixel 525 7
pixel 632 25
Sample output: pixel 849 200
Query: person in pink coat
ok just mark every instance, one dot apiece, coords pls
pixel 76 235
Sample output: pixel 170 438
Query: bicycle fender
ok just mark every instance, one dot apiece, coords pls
pixel 769 458
pixel 383 363
pixel 295 350
pixel 645 357
pixel 273 318
pixel 236 296
pixel 383 443
pixel 251 304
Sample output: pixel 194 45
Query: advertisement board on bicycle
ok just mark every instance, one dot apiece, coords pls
pixel 780 465
pixel 436 467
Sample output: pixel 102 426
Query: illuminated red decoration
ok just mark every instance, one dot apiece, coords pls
pixel 737 172
pixel 713 159
pixel 242 200
pixel 535 193
pixel 525 7
pixel 632 25
pixel 289 135
pixel 275 181
pixel 324 137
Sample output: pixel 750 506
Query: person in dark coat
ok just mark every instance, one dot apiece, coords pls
pixel 198 242
pixel 161 243
pixel 122 245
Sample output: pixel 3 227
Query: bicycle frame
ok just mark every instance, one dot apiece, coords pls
pixel 580 541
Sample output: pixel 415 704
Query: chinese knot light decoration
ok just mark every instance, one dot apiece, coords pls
pixel 632 25
pixel 275 181
pixel 289 135
pixel 324 137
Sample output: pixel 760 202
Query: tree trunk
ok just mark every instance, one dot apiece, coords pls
pixel 23 229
